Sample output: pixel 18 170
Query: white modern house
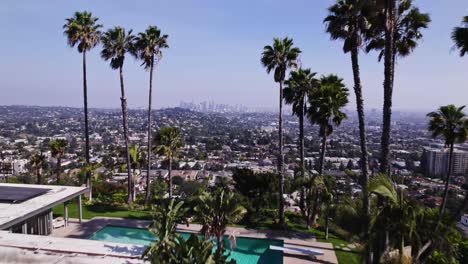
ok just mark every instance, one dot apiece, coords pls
pixel 27 208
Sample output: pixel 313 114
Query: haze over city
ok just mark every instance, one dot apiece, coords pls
pixel 214 54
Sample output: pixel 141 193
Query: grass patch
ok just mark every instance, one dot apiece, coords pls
pixel 90 211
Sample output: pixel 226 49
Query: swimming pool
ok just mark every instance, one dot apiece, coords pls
pixel 247 251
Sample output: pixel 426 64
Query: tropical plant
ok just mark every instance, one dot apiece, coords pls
pixel 397 213
pixel 58 148
pixel 37 162
pixel 117 42
pixel 326 109
pixel 279 58
pixel 298 88
pixel 460 37
pixel 452 124
pixel 148 45
pixel 83 31
pixel 215 211
pixel 394 32
pixel 168 142
pixel 165 219
pixel 138 159
pixel 348 21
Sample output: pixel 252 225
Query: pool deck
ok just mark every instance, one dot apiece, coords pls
pixel 291 239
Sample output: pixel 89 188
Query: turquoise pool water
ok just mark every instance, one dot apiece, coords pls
pixel 247 251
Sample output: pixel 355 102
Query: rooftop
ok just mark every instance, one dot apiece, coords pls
pixel 46 197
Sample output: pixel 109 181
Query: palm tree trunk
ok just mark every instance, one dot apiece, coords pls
pixel 316 206
pixel 281 159
pixel 322 152
pixel 301 140
pixel 170 176
pixel 301 153
pixel 446 189
pixel 85 102
pixel 148 187
pixel 363 141
pixel 389 71
pixel 39 176
pixel 59 165
pixel 327 222
pixel 125 129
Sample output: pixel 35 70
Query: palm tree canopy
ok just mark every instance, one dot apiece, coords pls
pixel 450 122
pixel 137 156
pixel 58 147
pixel 279 57
pixel 460 37
pixel 299 86
pixel 217 210
pixel 326 104
pixel 116 43
pixel 409 23
pixel 148 45
pixel 37 159
pixel 168 140
pixel 82 29
pixel 348 21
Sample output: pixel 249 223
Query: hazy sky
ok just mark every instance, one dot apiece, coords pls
pixel 214 53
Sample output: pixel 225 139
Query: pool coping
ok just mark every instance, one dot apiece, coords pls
pixel 291 239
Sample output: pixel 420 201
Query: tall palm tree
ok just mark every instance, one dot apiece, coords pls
pixel 299 86
pixel 460 37
pixel 215 211
pixel 37 161
pixel 394 31
pixel 116 43
pixel 169 141
pixel 326 109
pixel 58 148
pixel 279 58
pixel 452 124
pixel 149 45
pixel 348 21
pixel 83 31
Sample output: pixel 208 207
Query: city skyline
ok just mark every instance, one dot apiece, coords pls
pixel 226 68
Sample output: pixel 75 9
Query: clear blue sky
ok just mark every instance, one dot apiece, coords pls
pixel 214 54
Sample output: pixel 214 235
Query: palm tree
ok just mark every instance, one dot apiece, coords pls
pixel 280 57
pixel 393 33
pixel 164 226
pixel 460 37
pixel 149 45
pixel 215 211
pixel 348 21
pixel 116 43
pixel 452 124
pixel 326 109
pixel 58 148
pixel 169 141
pixel 137 157
pixel 37 161
pixel 298 88
pixel 83 31
pixel 398 214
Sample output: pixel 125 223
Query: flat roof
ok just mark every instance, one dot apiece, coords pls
pixel 47 249
pixel 14 194
pixel 14 213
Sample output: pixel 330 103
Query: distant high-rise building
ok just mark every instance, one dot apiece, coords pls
pixel 436 161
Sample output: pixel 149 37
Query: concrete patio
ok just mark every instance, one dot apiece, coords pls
pixel 291 239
